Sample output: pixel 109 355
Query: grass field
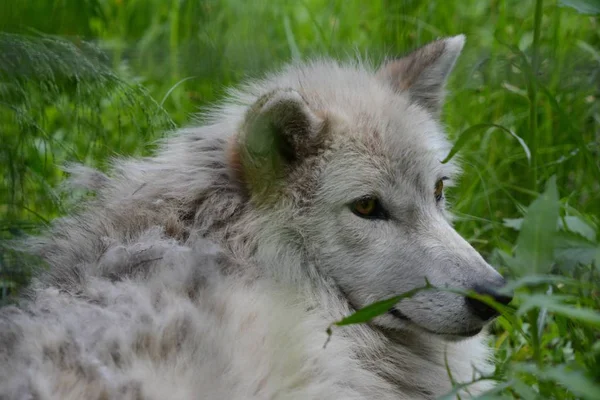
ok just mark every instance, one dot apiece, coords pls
pixel 85 80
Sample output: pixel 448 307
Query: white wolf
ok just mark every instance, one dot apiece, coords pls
pixel 213 269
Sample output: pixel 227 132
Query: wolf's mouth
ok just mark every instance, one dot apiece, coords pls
pixel 398 314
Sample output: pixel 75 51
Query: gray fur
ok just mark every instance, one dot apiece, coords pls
pixel 184 278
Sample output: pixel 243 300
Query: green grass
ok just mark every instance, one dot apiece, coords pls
pixel 85 80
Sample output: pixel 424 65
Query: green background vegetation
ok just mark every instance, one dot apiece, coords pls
pixel 86 80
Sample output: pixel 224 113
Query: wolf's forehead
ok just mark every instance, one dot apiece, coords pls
pixel 368 110
pixel 385 162
pixel 401 135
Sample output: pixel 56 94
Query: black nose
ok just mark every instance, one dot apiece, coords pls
pixel 481 309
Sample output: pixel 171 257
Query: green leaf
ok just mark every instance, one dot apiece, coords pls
pixel 369 312
pixel 575 381
pixel 471 131
pixel 571 249
pixel 537 280
pixel 376 309
pixel 590 7
pixel 571 223
pixel 535 244
pixel 577 225
pixel 524 391
pixel 556 305
pixel 514 223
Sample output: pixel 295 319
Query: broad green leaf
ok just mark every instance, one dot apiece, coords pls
pixel 575 381
pixel 537 280
pixel 512 263
pixel 577 225
pixel 471 131
pixel 556 305
pixel 514 223
pixel 535 250
pixel 571 223
pixel 571 249
pixel 591 7
pixel 524 391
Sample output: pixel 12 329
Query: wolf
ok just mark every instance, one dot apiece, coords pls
pixel 212 269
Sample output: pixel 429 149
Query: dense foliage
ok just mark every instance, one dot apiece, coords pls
pixel 84 80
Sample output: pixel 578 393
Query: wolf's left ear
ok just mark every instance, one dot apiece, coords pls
pixel 423 72
pixel 279 131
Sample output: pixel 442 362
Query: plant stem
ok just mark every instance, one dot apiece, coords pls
pixel 535 338
pixel 533 92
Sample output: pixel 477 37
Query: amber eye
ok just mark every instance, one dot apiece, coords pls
pixel 439 190
pixel 368 207
pixel 365 206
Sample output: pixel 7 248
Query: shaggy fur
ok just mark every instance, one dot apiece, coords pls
pixel 213 269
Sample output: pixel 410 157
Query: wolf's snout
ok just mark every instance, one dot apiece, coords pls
pixel 481 309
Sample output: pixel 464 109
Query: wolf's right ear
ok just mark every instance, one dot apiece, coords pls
pixel 423 73
pixel 279 130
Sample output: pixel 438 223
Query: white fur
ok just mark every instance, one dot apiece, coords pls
pixel 179 281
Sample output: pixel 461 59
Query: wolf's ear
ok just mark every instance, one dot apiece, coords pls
pixel 279 130
pixel 423 72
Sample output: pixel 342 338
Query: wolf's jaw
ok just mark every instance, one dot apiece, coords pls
pixel 454 336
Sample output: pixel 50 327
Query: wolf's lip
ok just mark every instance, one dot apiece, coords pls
pixel 398 314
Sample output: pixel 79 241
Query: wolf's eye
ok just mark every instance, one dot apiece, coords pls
pixel 439 189
pixel 368 207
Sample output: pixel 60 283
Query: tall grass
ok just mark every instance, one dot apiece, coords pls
pixel 83 80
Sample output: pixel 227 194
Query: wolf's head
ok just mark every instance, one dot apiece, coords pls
pixel 348 162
